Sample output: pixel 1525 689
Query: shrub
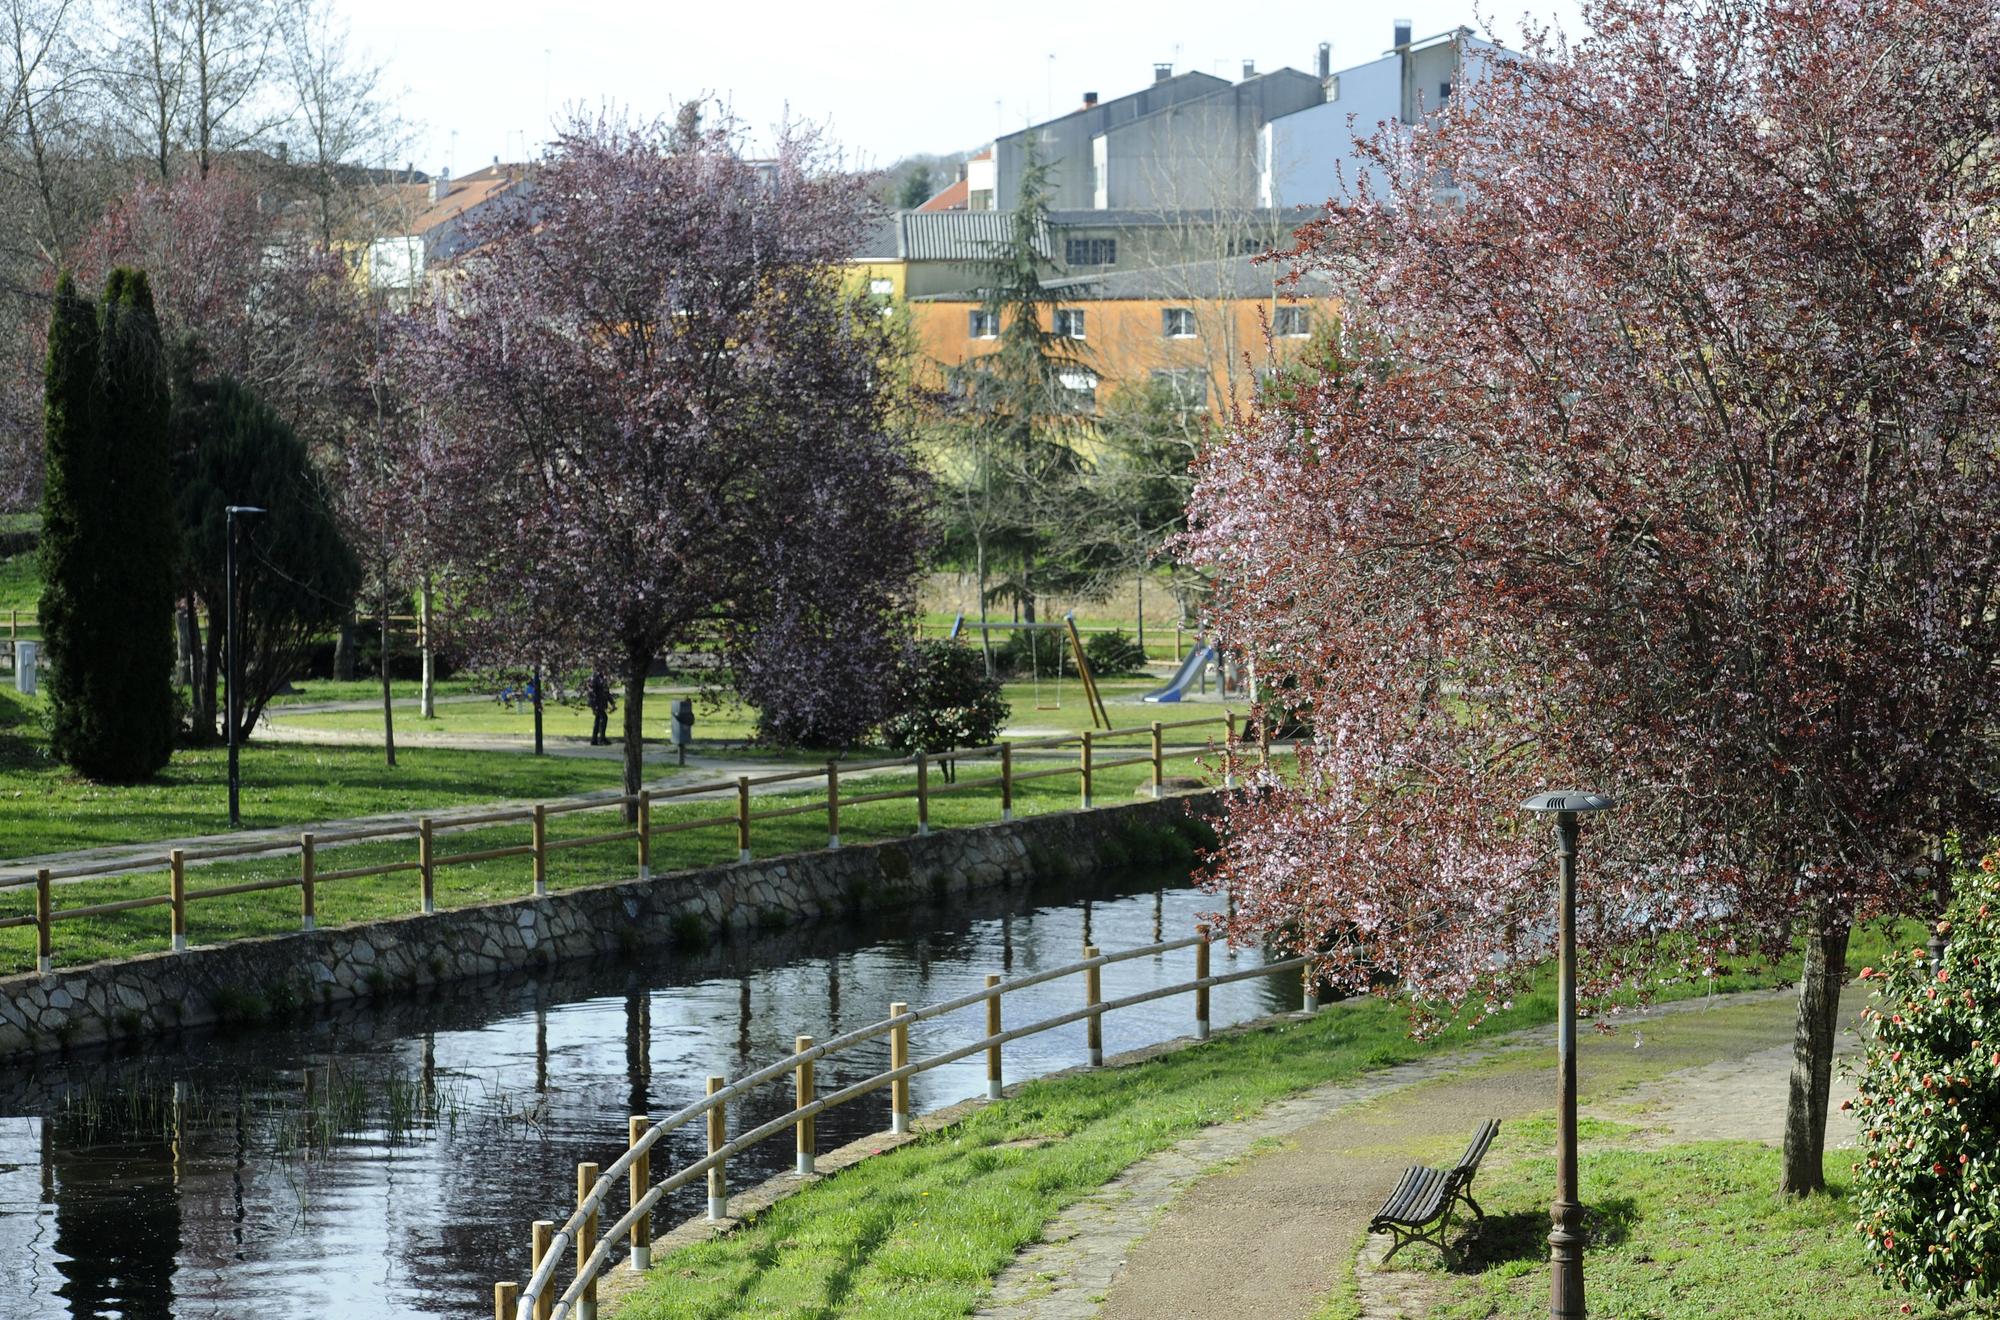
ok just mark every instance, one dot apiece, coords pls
pixel 1025 653
pixel 1929 1189
pixel 1114 655
pixel 942 699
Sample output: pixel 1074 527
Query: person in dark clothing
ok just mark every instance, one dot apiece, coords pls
pixel 598 693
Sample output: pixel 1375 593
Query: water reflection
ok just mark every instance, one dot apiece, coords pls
pixel 386 1162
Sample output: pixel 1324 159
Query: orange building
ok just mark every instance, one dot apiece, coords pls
pixel 1208 330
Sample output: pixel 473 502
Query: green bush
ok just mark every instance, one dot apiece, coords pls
pixel 1929 1190
pixel 1114 655
pixel 1026 653
pixel 943 699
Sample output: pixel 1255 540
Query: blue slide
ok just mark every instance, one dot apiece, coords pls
pixel 1189 671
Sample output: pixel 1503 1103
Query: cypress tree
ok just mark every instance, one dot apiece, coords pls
pixel 109 543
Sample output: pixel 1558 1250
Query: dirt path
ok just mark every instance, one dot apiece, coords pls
pixel 1264 1218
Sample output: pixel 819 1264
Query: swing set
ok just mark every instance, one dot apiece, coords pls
pixel 1073 651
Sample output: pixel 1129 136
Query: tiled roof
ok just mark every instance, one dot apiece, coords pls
pixel 941 236
pixel 954 198
pixel 1199 281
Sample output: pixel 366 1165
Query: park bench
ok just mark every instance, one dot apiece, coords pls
pixel 1420 1207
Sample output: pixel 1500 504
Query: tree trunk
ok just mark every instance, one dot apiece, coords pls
pixel 428 700
pixel 636 669
pixel 1141 580
pixel 985 634
pixel 388 707
pixel 343 652
pixel 1812 1050
pixel 210 719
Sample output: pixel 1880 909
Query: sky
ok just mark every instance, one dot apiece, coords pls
pixel 886 80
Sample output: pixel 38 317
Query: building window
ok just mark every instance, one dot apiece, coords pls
pixel 1292 322
pixel 1078 393
pixel 982 324
pixel 1185 387
pixel 1090 252
pixel 1069 323
pixel 1177 322
pixel 881 288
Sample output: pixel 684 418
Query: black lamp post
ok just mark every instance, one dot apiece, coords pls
pixel 1566 1235
pixel 229 611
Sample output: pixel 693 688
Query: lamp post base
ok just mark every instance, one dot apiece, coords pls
pixel 1566 1262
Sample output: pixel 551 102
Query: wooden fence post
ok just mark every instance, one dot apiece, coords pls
pixel 1229 752
pixel 923 793
pixel 44 918
pixel 718 1137
pixel 645 834
pixel 743 818
pixel 540 1234
pixel 541 842
pixel 426 868
pixel 899 1055
pixel 642 1180
pixel 1084 767
pixel 308 875
pixel 1177 644
pixel 833 804
pixel 802 1078
pixel 1159 762
pixel 586 1242
pixel 506 1297
pixel 177 891
pixel 1006 781
pixel 1093 995
pixel 1201 974
pixel 993 1080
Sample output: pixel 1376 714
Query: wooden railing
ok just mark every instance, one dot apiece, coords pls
pixel 423 831
pixel 578 1239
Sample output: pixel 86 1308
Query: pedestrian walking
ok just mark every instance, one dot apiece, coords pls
pixel 598 693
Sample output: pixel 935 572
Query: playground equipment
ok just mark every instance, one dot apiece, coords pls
pixel 1098 718
pixel 1197 660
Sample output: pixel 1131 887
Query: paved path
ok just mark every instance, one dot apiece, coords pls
pixel 1263 1218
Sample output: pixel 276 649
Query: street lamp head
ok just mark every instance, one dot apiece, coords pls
pixel 1575 802
pixel 243 508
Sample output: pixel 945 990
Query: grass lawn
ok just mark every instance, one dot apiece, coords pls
pixel 921 1231
pixel 20 584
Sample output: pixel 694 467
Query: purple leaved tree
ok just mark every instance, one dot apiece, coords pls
pixel 647 416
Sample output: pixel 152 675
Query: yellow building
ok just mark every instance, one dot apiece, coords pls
pixel 1208 330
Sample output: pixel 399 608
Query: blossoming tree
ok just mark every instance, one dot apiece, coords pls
pixel 1661 460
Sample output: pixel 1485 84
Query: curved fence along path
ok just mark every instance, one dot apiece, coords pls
pixel 578 1239
pixel 424 831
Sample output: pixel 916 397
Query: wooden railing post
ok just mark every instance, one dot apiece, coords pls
pixel 923 793
pixel 642 1180
pixel 1159 762
pixel 808 1126
pixel 718 1137
pixel 541 842
pixel 1229 752
pixel 1084 767
pixel 426 868
pixel 177 891
pixel 743 818
pixel 1177 644
pixel 586 1242
pixel 1006 781
pixel 308 873
pixel 1093 995
pixel 506 1297
pixel 1201 974
pixel 44 919
pixel 993 1079
pixel 833 804
pixel 899 1055
pixel 645 834
pixel 540 1234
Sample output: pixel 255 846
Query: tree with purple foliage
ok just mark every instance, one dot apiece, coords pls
pixel 648 416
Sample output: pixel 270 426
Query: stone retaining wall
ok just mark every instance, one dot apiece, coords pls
pixel 163 992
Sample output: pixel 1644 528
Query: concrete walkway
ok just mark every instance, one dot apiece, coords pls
pixel 1265 1218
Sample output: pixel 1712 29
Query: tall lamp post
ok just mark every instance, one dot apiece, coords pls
pixel 1566 1234
pixel 229 611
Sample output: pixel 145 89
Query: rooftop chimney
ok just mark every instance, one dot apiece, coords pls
pixel 496 160
pixel 1402 32
pixel 440 186
pixel 1089 100
pixel 1325 60
pixel 1162 72
pixel 1249 69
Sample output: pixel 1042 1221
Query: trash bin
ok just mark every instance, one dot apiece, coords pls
pixel 25 655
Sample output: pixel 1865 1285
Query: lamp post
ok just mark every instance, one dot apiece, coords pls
pixel 1566 1233
pixel 229 612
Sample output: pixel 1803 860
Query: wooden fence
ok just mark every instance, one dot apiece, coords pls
pixel 423 831
pixel 578 1238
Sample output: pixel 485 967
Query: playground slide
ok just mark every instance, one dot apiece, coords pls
pixel 1189 671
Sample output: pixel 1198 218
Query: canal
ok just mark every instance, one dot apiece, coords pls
pixel 385 1162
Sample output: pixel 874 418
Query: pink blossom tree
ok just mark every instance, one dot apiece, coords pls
pixel 1663 462
pixel 648 417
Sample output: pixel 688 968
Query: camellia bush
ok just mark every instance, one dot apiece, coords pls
pixel 1929 1190
pixel 943 700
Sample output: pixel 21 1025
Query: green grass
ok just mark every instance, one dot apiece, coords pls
pixel 20 584
pixel 313 691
